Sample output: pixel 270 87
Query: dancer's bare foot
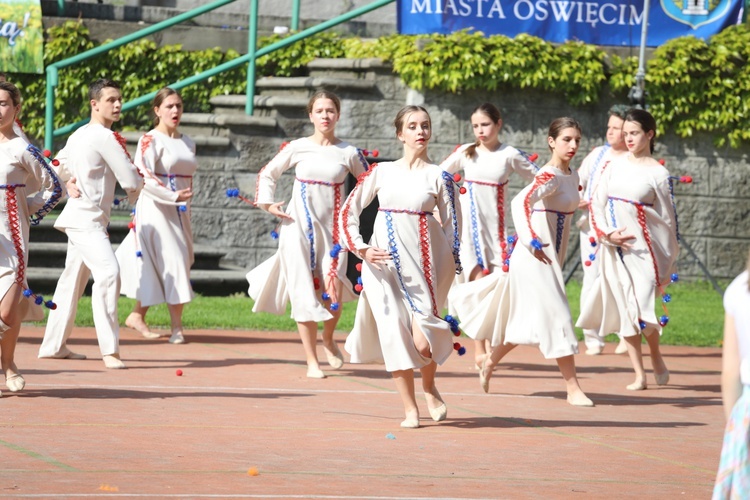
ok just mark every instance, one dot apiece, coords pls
pixel 113 362
pixel 315 372
pixel 412 420
pixel 578 398
pixel 334 356
pixel 135 321
pixel 485 373
pixel 638 385
pixel 661 373
pixel 177 337
pixel 479 359
pixel 14 380
pixel 436 405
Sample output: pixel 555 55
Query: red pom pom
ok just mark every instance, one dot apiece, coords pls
pixel 456 177
pixel 316 281
pixel 592 239
pixel 686 179
pixel 462 190
pixel 375 153
pixel 505 255
pixel 506 268
pixel 131 225
pixel 357 288
pixel 456 346
pixel 533 157
pixel 47 153
pixel 580 188
pixel 587 263
pixel 503 244
pixel 661 161
pixel 485 271
pixel 359 266
pixel 55 162
pixel 178 373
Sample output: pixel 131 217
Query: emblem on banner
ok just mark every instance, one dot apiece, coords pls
pixel 696 13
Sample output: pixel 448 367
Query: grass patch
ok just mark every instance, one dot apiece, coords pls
pixel 696 314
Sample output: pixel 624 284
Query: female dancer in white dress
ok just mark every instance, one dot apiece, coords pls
pixel 532 306
pixel 589 173
pixel 733 476
pixel 158 251
pixel 29 189
pixel 487 165
pixel 633 215
pixel 309 269
pixel 409 266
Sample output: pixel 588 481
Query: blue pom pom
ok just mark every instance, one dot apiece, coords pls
pixel 335 250
pixel 448 318
pixel 512 238
pixel 326 296
pixel 139 253
pixel 663 320
pixel 359 280
pixel 335 306
pixel 461 351
pixel 593 243
pixel 116 201
pixel 231 193
pixel 506 262
pixel 132 212
pixel 642 324
pixel 50 305
pixel 182 208
pixel 675 278
pixel 38 300
pixel 27 293
pixel 274 235
pixel 592 256
pixel 536 244
pixel 667 298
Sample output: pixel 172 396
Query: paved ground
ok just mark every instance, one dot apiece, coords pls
pixel 243 404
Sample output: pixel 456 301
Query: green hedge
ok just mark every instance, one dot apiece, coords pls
pixel 694 86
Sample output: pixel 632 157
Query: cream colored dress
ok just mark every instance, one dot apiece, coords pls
pixel 310 254
pixel 531 305
pixel 29 189
pixel 157 254
pixel 414 284
pixel 483 236
pixel 635 195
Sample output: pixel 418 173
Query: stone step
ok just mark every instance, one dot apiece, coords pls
pixel 218 282
pixel 305 86
pixel 53 255
pixel 265 105
pixel 209 130
pixel 348 68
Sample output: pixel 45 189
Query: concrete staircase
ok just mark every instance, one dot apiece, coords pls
pixel 231 237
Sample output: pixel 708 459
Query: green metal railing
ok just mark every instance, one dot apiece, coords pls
pixel 253 53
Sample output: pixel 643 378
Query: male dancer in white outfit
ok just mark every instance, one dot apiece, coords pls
pixel 96 158
pixel 589 173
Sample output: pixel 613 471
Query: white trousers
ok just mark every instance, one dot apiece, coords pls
pixel 89 254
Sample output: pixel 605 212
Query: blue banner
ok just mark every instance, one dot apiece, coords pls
pixel 599 22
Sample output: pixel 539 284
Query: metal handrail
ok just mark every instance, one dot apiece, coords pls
pixel 249 58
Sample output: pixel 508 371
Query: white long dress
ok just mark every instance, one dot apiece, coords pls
pixel 483 240
pixel 29 189
pixel 310 256
pixel 425 257
pixel 589 173
pixel 638 196
pixel 157 254
pixel 531 305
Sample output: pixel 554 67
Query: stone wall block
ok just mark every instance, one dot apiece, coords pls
pixel 727 258
pixel 730 178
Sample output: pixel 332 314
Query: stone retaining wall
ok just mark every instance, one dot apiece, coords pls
pixel 713 211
